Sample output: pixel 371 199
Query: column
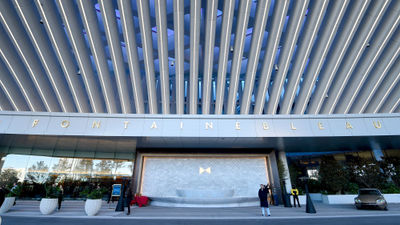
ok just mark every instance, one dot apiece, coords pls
pixel 273 175
pixel 286 174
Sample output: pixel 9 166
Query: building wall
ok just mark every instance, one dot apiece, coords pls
pixel 165 176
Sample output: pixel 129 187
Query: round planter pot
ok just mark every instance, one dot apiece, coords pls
pixel 48 205
pixel 92 206
pixel 7 204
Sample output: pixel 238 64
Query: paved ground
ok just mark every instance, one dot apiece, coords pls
pixel 386 220
pixel 72 212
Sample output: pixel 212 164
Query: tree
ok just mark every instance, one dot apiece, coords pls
pixel 37 173
pixel 332 174
pixel 84 165
pixel 391 169
pixel 83 168
pixel 366 173
pixel 116 164
pixel 104 166
pixel 8 177
pixel 63 166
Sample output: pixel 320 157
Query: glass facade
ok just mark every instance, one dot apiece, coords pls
pixel 74 174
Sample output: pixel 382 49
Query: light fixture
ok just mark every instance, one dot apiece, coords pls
pixel 172 63
pixel 276 67
pixel 41 21
pixel 231 49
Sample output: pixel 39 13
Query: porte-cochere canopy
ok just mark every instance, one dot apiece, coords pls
pixel 200 57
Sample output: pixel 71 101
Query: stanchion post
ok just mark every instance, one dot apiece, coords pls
pixel 121 200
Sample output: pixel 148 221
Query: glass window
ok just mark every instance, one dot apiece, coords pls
pixel 38 169
pixel 74 174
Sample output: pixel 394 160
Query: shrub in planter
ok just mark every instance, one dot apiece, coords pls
pixel 49 203
pixel 314 186
pixel 10 199
pixel 390 188
pixel 351 188
pixel 93 203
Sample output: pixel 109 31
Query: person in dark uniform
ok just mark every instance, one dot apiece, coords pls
pixel 263 195
pixel 60 196
pixel 2 195
pixel 129 198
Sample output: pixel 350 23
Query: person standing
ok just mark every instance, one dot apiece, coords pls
pixel 15 186
pixel 60 196
pixel 263 195
pixel 295 193
pixel 2 195
pixel 129 198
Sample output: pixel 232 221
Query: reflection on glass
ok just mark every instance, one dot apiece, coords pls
pixel 37 169
pixel 74 174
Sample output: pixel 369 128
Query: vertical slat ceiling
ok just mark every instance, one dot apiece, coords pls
pixel 200 56
pixel 60 44
pixel 162 38
pixel 47 57
pixel 241 28
pixel 209 53
pixel 19 37
pixel 293 32
pixel 147 47
pixel 73 26
pixel 179 37
pixel 254 54
pixel 195 10
pixel 128 28
pixel 90 22
pixel 226 29
pixel 112 34
pixel 354 54
pixel 19 73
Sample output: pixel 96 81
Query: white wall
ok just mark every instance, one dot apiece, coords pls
pixel 163 176
pixel 349 199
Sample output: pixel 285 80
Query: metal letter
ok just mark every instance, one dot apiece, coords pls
pixel 153 125
pixel 320 126
pixel 96 124
pixel 377 125
pixel 209 125
pixel 237 125
pixel 126 124
pixel 348 126
pixel 65 123
pixel 292 126
pixel 265 126
pixel 35 122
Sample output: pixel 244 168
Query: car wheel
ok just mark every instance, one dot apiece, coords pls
pixel 386 208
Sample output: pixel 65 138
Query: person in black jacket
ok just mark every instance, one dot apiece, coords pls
pixel 2 195
pixel 263 195
pixel 129 197
pixel 60 196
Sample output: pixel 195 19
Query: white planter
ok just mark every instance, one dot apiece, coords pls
pixel 7 204
pixel 316 197
pixel 392 198
pixel 338 199
pixel 48 205
pixel 349 199
pixel 302 199
pixel 92 206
